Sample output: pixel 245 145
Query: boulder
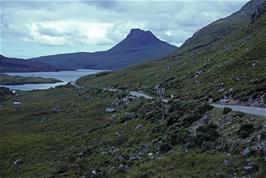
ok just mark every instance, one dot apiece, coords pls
pixel 110 110
pixel 226 110
pixel 164 148
pixel 139 126
pixel 246 151
pixel 227 162
pixel 18 162
pixel 122 168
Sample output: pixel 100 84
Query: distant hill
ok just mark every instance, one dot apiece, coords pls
pixel 221 28
pixel 137 47
pixel 21 65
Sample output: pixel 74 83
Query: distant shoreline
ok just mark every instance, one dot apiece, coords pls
pixel 20 80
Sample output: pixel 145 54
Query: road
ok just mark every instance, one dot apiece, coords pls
pixel 131 93
pixel 245 109
pixel 139 94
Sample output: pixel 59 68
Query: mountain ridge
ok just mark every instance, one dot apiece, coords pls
pixel 21 65
pixel 137 47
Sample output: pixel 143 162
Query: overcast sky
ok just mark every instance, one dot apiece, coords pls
pixel 35 28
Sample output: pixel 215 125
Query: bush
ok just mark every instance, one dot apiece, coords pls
pixel 204 108
pixel 207 133
pixel 227 110
pixel 178 135
pixel 4 92
pixel 127 117
pixel 245 130
pixel 190 117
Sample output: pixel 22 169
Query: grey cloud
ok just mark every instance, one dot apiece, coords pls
pixel 48 31
pixel 174 21
pixel 106 4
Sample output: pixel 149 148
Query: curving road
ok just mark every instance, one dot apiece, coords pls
pixel 245 109
pixel 140 94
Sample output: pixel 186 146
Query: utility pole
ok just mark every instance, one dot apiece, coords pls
pixel 161 92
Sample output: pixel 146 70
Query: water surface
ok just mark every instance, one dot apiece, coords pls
pixel 64 76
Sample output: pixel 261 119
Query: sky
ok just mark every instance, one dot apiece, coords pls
pixel 32 28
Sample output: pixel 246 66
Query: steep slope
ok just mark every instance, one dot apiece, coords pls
pixel 20 65
pixel 137 47
pixel 219 29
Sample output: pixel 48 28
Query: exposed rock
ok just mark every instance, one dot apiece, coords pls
pixel 123 158
pixel 151 155
pixel 18 162
pixel 56 109
pixel 164 148
pixel 80 155
pixel 246 151
pixel 205 119
pixel 110 110
pixel 122 168
pixel 248 168
pixel 139 126
pixel 260 147
pixel 199 72
pixel 226 120
pixel 97 173
pixel 157 86
pixel 227 162
pixel 221 90
pixel 134 158
pixel 237 79
pixel 17 103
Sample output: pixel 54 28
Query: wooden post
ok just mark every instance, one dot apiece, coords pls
pixel 161 92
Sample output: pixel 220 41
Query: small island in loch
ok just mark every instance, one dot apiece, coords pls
pixel 19 80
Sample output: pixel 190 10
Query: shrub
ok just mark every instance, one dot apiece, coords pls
pixel 245 130
pixel 207 133
pixel 178 135
pixel 226 110
pixel 204 108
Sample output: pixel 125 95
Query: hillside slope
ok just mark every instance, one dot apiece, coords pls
pixel 20 65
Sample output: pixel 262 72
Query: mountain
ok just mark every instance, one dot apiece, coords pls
pixel 136 48
pixel 21 65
